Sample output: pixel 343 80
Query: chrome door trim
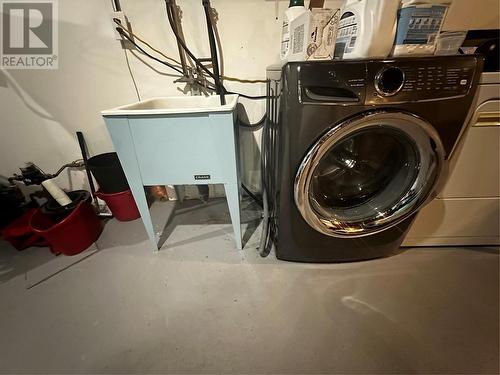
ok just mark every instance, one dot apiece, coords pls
pixel 412 125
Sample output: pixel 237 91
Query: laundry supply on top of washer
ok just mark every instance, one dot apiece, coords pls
pixel 449 42
pixel 294 32
pixel 308 34
pixel 322 33
pixel 419 24
pixel 362 29
pixel 366 29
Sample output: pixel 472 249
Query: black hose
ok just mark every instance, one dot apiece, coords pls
pixel 197 61
pixel 213 52
pixel 181 42
pixel 255 126
pixel 252 195
pixel 116 5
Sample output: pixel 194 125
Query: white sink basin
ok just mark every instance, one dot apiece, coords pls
pixel 175 105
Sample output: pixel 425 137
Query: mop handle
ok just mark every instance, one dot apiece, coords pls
pixel 83 149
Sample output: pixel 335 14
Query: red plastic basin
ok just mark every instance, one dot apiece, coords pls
pixel 121 204
pixel 71 235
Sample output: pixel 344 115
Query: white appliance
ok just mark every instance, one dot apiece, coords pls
pixel 467 212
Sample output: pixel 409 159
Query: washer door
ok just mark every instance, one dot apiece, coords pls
pixel 368 174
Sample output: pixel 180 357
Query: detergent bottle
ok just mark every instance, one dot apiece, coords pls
pixel 295 32
pixel 366 29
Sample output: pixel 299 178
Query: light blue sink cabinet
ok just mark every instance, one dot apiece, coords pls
pixel 177 141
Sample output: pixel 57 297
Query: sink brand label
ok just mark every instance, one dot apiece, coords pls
pixel 202 177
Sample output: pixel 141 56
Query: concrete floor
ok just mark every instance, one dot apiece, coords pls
pixel 200 306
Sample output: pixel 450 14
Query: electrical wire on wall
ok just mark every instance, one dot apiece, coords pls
pixel 141 39
pixel 127 34
pixel 141 50
pixel 132 75
pixel 117 8
pixel 161 53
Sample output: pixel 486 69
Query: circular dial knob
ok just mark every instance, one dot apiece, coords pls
pixel 389 81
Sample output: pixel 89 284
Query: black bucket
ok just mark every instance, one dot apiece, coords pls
pixel 108 172
pixel 58 212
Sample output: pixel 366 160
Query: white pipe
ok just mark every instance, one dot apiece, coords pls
pixel 57 193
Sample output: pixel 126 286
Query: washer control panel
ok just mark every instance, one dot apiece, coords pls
pixel 420 79
pixel 390 81
pixel 442 81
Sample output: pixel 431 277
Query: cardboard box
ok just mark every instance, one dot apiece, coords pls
pixel 322 33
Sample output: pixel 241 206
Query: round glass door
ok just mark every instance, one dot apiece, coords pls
pixel 368 174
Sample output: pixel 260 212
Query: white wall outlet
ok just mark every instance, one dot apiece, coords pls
pixel 118 17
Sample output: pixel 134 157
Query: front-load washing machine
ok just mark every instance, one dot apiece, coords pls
pixel 353 149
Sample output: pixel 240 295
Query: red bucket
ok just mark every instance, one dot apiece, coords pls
pixel 20 235
pixel 121 204
pixel 71 235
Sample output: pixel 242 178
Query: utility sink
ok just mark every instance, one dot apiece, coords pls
pixel 175 105
pixel 178 141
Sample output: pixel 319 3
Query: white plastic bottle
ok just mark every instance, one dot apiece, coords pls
pixel 366 29
pixel 295 32
pixel 57 193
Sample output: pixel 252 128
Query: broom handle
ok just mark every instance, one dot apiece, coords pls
pixel 83 149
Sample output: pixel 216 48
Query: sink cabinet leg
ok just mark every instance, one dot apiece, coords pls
pixel 142 205
pixel 233 201
pixel 122 139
